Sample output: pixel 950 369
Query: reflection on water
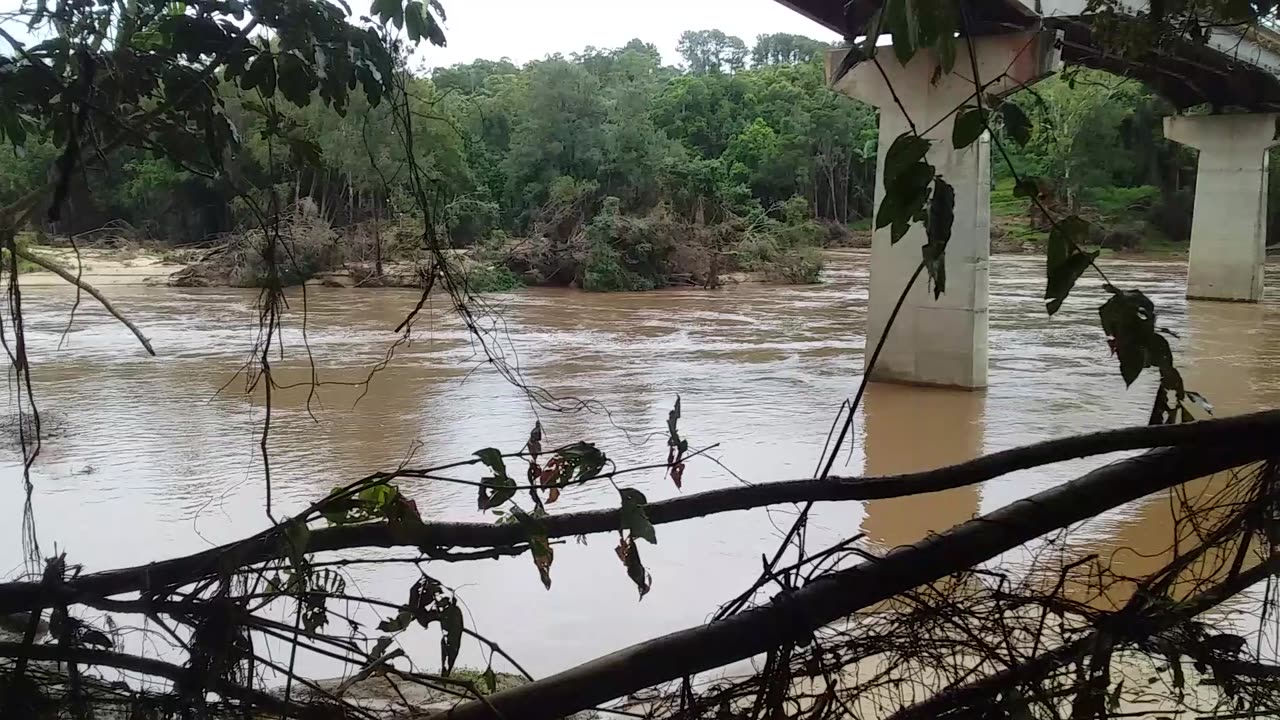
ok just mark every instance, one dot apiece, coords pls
pixel 150 451
pixel 910 429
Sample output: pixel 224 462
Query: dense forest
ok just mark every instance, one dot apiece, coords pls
pixel 610 170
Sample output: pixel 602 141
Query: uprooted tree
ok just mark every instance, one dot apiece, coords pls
pixel 950 626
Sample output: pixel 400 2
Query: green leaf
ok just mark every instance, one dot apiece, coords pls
pixel 254 75
pixel 1132 362
pixel 435 33
pixel 401 621
pixel 492 457
pixel 377 498
pixel 539 545
pixel 968 127
pixel 389 11
pixel 938 231
pixel 673 419
pixel 424 593
pixel 14 128
pixel 1016 124
pixel 945 25
pixel 495 491
pixel 415 21
pixel 584 458
pixel 905 153
pixel 261 74
pixel 904 200
pixel 380 647
pixel 450 636
pixel 1128 319
pixel 490 679
pixel 296 80
pixel 904 25
pixel 1113 700
pixel 676 446
pixel 1062 278
pixel 906 184
pixel 543 556
pixel 296 537
pixel 635 518
pixel 502 486
pixel 1065 262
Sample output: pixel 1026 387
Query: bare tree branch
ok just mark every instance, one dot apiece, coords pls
pixel 794 616
pixel 1252 431
pixel 62 272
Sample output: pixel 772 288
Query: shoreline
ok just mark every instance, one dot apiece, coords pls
pixel 113 267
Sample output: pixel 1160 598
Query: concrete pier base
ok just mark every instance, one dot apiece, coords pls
pixel 944 341
pixel 1229 221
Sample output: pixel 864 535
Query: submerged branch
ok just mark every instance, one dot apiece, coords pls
pixel 63 273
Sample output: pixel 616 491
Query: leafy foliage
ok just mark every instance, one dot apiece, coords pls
pixel 1065 260
pixel 430 604
pixel 942 204
pixel 499 487
pixel 907 179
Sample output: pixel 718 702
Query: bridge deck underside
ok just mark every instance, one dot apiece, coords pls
pixel 1188 74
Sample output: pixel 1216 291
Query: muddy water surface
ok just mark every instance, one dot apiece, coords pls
pixel 156 457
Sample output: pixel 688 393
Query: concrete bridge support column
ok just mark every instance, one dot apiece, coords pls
pixel 939 342
pixel 1229 222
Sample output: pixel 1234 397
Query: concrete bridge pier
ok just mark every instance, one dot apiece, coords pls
pixel 939 342
pixel 1229 221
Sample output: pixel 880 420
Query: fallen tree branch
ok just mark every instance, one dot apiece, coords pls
pixel 985 688
pixel 792 617
pixel 1257 430
pixel 63 273
pixel 157 668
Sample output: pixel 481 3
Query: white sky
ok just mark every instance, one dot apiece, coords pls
pixel 524 30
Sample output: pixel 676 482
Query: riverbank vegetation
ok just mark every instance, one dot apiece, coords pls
pixel 607 169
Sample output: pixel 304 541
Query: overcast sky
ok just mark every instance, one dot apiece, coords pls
pixel 524 30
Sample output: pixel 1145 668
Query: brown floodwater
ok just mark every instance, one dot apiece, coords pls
pixel 148 459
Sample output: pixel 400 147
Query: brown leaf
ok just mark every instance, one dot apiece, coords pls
pixel 550 477
pixel 629 554
pixel 535 439
pixel 542 558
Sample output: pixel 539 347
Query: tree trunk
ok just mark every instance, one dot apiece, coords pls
pixel 377 239
pixel 831 187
